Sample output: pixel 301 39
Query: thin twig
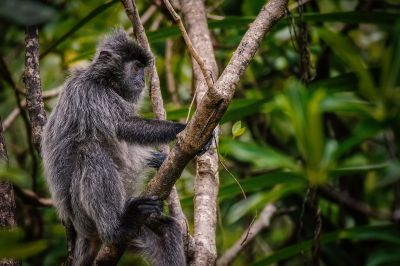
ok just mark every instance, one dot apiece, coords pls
pixel 30 197
pixel 260 224
pixel 171 86
pixel 189 44
pixel 156 22
pixel 7 123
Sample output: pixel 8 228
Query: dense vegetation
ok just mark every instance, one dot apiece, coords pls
pixel 313 128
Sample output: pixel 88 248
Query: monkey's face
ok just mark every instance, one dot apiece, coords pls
pixel 120 64
pixel 134 81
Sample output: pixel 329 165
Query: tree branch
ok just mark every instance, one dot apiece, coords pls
pixel 215 102
pixel 169 72
pixel 34 99
pixel 207 179
pixel 7 203
pixel 32 198
pixel 189 44
pixel 247 237
pixel 10 119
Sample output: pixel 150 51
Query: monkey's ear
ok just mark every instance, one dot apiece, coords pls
pixel 105 55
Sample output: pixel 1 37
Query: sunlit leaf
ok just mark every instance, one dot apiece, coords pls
pixel 261 156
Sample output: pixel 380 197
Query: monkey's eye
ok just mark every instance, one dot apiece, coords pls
pixel 136 66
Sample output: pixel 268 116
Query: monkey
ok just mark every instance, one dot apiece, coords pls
pixel 96 150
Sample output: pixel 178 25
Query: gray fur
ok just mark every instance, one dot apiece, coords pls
pixel 96 150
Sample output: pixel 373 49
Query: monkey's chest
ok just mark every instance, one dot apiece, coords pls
pixel 133 167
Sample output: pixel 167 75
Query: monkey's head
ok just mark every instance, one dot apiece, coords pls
pixel 119 63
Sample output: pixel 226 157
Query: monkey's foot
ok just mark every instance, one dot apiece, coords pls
pixel 138 209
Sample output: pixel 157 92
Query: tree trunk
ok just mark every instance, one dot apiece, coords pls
pixel 7 203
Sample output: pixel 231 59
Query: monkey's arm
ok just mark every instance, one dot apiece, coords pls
pixel 148 131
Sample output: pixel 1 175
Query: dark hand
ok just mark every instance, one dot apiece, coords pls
pixel 137 210
pixel 156 160
pixel 207 146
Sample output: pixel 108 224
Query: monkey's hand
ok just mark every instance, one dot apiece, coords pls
pixel 207 146
pixel 156 159
pixel 137 210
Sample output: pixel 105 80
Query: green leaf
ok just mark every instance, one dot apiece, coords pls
pixel 386 233
pixel 241 22
pixel 350 54
pixel 15 175
pixel 353 17
pixel 260 183
pixel 11 245
pixel 359 169
pixel 240 108
pixel 25 12
pixel 346 102
pixel 237 129
pixel 253 184
pixel 257 201
pixel 387 256
pixel 94 13
pixel 261 156
pixel 363 131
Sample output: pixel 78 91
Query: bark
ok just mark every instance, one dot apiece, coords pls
pixel 34 101
pixel 7 203
pixel 215 102
pixel 207 179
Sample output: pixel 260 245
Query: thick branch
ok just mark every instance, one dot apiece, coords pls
pixel 261 223
pixel 207 179
pixel 215 102
pixel 34 100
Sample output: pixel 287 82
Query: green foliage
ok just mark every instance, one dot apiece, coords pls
pixel 279 136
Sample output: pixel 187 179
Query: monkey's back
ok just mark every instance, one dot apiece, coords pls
pixel 80 137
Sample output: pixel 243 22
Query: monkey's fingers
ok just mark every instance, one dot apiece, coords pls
pixel 207 146
pixel 142 205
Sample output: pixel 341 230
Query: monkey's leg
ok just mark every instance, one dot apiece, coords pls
pixel 85 251
pixel 98 195
pixel 160 241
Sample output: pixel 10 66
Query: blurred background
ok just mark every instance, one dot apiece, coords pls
pixel 313 128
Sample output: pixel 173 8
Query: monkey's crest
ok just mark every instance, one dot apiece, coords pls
pixel 121 45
